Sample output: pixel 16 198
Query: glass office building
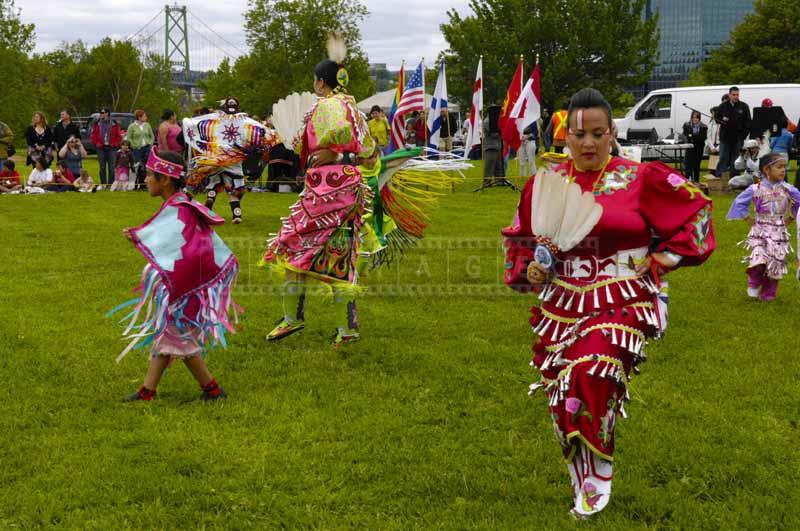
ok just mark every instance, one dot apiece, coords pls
pixel 690 31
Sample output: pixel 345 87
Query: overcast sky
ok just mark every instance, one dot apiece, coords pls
pixel 395 30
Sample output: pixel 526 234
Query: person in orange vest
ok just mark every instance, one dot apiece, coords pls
pixel 558 129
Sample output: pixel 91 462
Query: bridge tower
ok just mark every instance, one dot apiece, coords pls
pixel 176 37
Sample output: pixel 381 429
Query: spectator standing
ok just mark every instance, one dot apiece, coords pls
pixel 734 119
pixel 6 143
pixel 73 153
pixel 106 137
pixel 547 139
pixel 169 132
pixel 421 130
pixel 40 140
pixel 9 178
pixel 447 131
pixel 557 130
pixel 696 133
pixel 782 142
pixel 63 130
pixel 124 169
pixel 141 137
pixel 526 156
pixel 379 127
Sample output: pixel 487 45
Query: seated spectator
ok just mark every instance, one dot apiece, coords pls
pixel 40 178
pixel 124 169
pixel 62 178
pixel 747 164
pixel 85 183
pixel 6 143
pixel 73 153
pixel 9 178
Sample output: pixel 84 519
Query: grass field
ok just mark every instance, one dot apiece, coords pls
pixel 425 424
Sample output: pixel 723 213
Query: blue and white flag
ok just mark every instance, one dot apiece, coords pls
pixel 438 104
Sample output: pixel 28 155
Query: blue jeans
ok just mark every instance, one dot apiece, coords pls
pixel 140 154
pixel 727 156
pixel 107 157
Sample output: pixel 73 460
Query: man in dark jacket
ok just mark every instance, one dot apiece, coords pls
pixel 106 137
pixel 734 119
pixel 65 129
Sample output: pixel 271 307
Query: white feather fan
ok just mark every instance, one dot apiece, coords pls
pixel 288 113
pixel 560 211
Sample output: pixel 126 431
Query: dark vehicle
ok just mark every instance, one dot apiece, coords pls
pixel 124 119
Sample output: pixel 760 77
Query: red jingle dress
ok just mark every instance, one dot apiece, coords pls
pixel 596 313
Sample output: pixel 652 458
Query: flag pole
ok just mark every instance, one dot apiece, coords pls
pixel 480 118
pixel 521 88
pixel 539 121
pixel 424 106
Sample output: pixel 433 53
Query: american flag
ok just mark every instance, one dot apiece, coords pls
pixel 413 99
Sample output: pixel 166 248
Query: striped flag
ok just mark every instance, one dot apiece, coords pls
pixel 413 99
pixel 397 142
pixel 474 125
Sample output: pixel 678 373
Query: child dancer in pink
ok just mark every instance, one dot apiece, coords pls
pixel 768 241
pixel 185 293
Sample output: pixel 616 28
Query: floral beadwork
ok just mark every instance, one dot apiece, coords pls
pixel 614 181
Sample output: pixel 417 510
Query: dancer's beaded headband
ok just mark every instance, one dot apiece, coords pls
pixel 158 165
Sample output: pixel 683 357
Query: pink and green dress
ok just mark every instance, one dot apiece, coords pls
pixel 319 238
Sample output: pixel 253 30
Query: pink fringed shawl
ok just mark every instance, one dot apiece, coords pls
pixel 187 282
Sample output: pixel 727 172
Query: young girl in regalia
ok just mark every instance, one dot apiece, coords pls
pixel 582 238
pixel 318 241
pixel 185 293
pixel 774 201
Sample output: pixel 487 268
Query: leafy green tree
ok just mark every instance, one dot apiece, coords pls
pixel 14 34
pixel 581 43
pixel 762 49
pixel 288 38
pixel 16 41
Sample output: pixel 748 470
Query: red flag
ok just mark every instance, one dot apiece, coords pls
pixel 506 123
pixel 528 108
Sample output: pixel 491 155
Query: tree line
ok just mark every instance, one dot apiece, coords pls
pixel 607 45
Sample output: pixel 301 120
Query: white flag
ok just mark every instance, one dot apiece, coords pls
pixel 474 124
pixel 438 104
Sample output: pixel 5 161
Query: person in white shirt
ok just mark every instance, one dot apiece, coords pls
pixel 40 178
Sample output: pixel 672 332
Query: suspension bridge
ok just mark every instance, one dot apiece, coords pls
pixel 192 47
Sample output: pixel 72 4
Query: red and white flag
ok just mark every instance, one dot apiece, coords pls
pixel 528 107
pixel 474 124
pixel 508 127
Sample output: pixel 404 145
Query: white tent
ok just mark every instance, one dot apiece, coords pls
pixel 384 101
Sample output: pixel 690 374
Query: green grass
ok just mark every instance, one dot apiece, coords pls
pixel 425 424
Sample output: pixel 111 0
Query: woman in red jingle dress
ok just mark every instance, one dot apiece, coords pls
pixel 604 298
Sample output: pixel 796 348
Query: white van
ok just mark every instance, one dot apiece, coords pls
pixel 666 110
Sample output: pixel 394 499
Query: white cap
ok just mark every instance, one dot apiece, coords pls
pixel 750 143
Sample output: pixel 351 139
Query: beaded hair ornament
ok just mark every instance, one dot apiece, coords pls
pixel 164 167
